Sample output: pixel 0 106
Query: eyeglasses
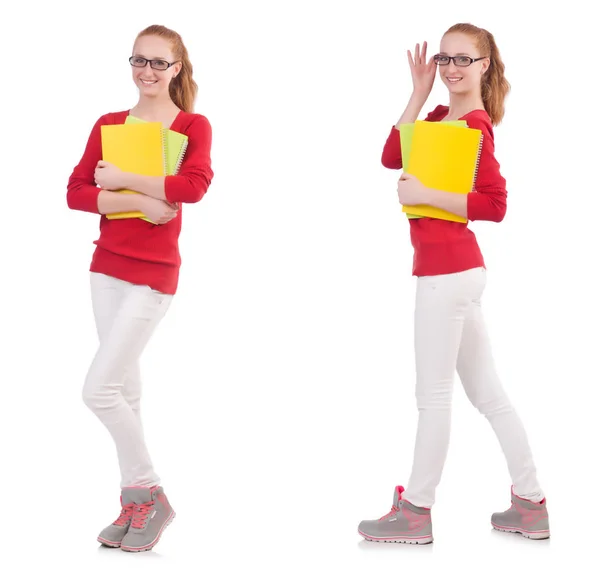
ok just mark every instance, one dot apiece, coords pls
pixel 158 64
pixel 459 61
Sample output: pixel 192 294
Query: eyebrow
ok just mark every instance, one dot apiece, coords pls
pixel 150 58
pixel 458 54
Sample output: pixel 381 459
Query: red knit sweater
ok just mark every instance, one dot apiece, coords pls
pixel 132 249
pixel 441 246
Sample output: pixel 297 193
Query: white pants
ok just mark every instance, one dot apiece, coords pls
pixel 126 316
pixel 450 335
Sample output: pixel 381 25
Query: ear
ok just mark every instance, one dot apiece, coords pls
pixel 485 64
pixel 177 69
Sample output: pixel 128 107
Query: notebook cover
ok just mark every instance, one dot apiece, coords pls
pixel 134 148
pixel 175 145
pixel 406 134
pixel 444 157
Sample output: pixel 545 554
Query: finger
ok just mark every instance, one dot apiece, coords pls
pixel 424 52
pixel 411 63
pixel 417 53
pixel 102 164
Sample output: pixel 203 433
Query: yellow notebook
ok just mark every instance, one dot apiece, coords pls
pixel 175 145
pixel 443 157
pixel 134 148
pixel 406 135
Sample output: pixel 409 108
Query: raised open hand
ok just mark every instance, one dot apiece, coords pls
pixel 422 71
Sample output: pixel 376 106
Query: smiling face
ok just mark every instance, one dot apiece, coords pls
pixel 462 79
pixel 153 82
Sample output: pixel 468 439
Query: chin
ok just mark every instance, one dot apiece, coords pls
pixel 457 88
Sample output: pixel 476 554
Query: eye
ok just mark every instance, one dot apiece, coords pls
pixel 463 60
pixel 159 64
pixel 139 61
pixel 441 59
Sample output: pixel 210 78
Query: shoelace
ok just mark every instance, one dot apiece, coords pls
pixel 140 514
pixel 125 517
pixel 392 512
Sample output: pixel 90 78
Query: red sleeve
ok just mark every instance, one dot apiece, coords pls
pixel 391 157
pixel 488 201
pixel 195 176
pixel 82 192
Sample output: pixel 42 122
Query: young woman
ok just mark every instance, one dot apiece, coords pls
pixel 135 269
pixel 449 329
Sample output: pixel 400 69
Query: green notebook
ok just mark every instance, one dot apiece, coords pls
pixel 175 146
pixel 406 134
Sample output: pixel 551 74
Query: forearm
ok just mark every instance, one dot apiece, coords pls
pixel 448 201
pixel 110 202
pixel 153 186
pixel 411 113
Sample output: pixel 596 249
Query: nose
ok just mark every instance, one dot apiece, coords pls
pixel 452 66
pixel 147 72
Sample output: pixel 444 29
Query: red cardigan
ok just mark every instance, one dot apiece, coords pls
pixel 441 246
pixel 132 249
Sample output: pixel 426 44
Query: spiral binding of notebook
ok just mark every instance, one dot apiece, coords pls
pixel 476 171
pixel 182 152
pixel 164 150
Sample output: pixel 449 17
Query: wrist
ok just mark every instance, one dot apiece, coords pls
pixel 127 180
pixel 429 195
pixel 419 98
pixel 140 200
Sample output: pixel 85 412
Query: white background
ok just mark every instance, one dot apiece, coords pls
pixel 279 403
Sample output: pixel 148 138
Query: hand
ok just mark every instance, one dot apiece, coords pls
pixel 411 190
pixel 159 211
pixel 422 71
pixel 108 176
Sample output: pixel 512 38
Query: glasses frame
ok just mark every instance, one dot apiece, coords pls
pixel 151 61
pixel 454 58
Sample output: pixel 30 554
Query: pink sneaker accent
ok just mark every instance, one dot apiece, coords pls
pixel 140 514
pixel 405 523
pixel 528 518
pixel 125 517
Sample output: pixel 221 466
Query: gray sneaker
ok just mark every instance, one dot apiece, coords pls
pixel 152 513
pixel 404 524
pixel 524 517
pixel 112 535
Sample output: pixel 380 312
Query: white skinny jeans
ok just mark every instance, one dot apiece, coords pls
pixel 126 316
pixel 450 335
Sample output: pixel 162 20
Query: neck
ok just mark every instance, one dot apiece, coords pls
pixel 463 103
pixel 155 106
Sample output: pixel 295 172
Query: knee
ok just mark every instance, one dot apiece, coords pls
pixel 492 406
pixel 96 399
pixel 133 402
pixel 438 397
pixel 97 395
